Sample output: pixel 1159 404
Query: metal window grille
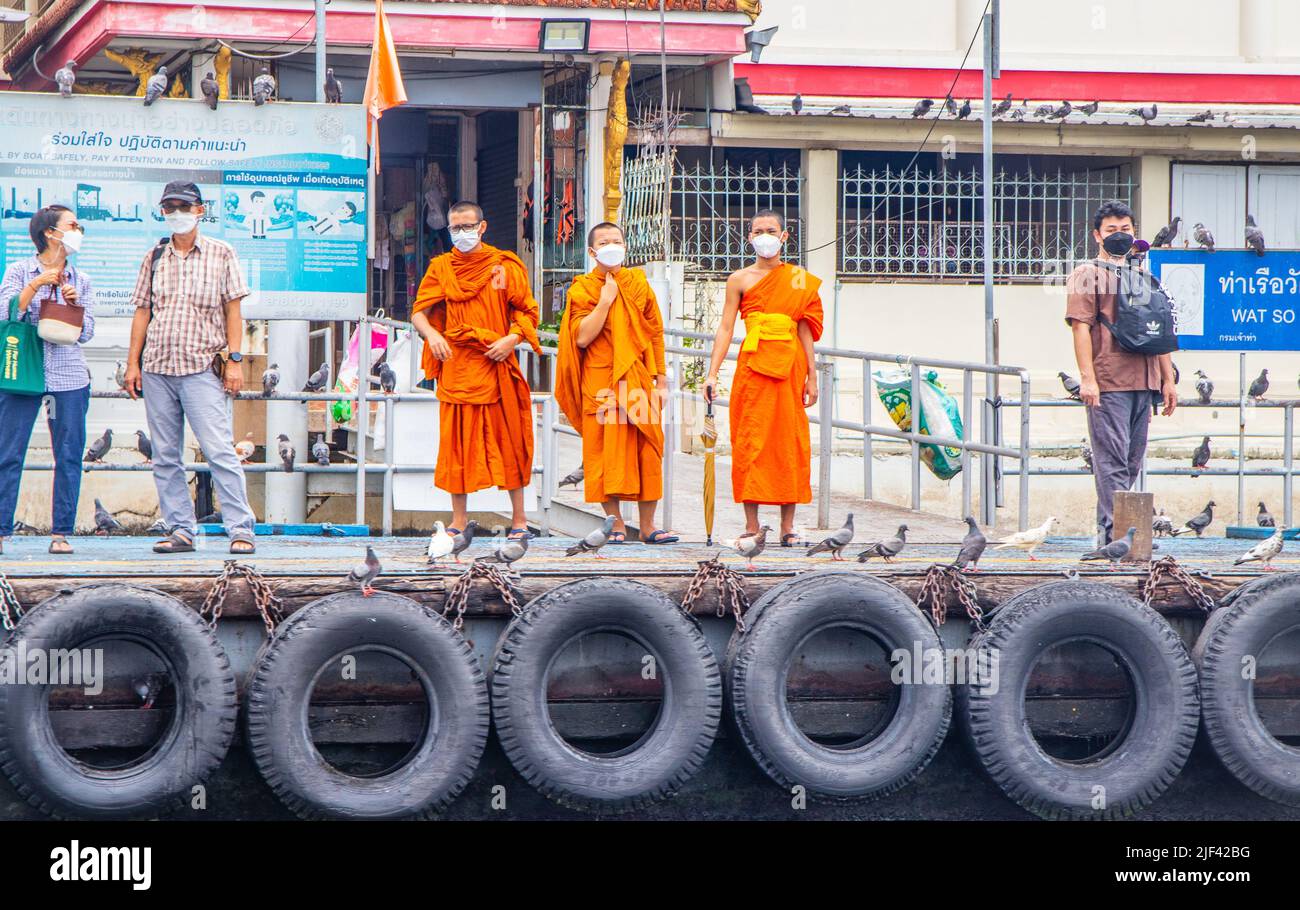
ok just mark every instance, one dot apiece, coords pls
pixel 929 224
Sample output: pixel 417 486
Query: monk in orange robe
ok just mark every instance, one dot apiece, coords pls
pixel 775 380
pixel 473 307
pixel 610 383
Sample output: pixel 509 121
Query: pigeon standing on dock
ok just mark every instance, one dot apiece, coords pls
pixel 263 87
pixel 1264 551
pixel 1071 385
pixel 1198 522
pixel 1201 456
pixel 836 543
pixel 509 552
pixel 287 453
pixel 573 478
pixel 441 543
pixel 144 446
pixel 972 547
pixel 593 541
pixel 1165 236
pixel 245 448
pixel 1161 526
pixel 365 573
pixel 1259 386
pixel 99 448
pixel 1114 551
pixel 105 523
pixel 317 381
pixel 270 379
pixel 387 379
pixel 1029 540
pixel 750 545
pixel 154 88
pixel 333 88
pixel 1201 234
pixel 886 549
pixel 1254 236
pixel 922 108
pixel 1263 519
pixel 1204 387
pixel 211 90
pixel 320 451
pixel 461 541
pixel 66 77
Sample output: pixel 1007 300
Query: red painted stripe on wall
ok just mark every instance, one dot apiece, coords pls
pixel 908 82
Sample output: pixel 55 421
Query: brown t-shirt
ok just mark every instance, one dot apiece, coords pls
pixel 1090 289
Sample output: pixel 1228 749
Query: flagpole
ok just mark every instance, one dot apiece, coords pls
pixel 320 50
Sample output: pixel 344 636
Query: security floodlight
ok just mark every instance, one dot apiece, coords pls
pixel 564 36
pixel 757 39
pixel 14 15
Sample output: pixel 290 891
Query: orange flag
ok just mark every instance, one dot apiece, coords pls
pixel 384 87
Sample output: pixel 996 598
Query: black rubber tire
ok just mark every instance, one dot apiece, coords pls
pixel 669 753
pixel 1258 613
pixel 765 600
pixel 1143 761
pixel 279 692
pixel 194 744
pixel 756 681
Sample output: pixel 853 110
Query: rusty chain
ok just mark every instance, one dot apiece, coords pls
pixel 939 581
pixel 1168 567
pixel 458 596
pixel 268 605
pixel 731 590
pixel 10 609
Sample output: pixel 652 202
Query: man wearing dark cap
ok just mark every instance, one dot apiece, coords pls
pixel 187 298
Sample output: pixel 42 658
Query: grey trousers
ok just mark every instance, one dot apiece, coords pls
pixel 1118 430
pixel 199 397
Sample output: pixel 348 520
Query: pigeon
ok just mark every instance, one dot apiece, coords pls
pixel 270 379
pixel 211 90
pixel 105 523
pixel 66 77
pixel 99 448
pixel 287 453
pixel 327 529
pixel 1085 452
pixel 1161 526
pixel 149 688
pixel 320 451
pixel 1165 236
pixel 1029 540
pixel 836 543
pixel 22 527
pixel 593 541
pixel 1114 551
pixel 333 88
pixel 1263 519
pixel 154 88
pixel 1254 236
pixel 1264 551
pixel 965 110
pixel 461 541
pixel 1199 522
pixel 922 108
pixel 972 547
pixel 1002 106
pixel 1204 116
pixel 120 376
pixel 1201 234
pixel 1071 384
pixel 158 527
pixel 841 110
pixel 1146 112
pixel 440 543
pixel 144 446
pixel 1088 109
pixel 387 379
pixel 886 549
pixel 509 552
pixel 245 448
pixel 263 87
pixel 950 106
pixel 750 545
pixel 1204 387
pixel 366 572
pixel 796 104
pixel 1043 110
pixel 1201 457
pixel 317 381
pixel 1019 113
pixel 1259 386
pixel 1063 111
pixel 573 478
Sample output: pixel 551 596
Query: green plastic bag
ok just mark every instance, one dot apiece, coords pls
pixel 940 416
pixel 22 355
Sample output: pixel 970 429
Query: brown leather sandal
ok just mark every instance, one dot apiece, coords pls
pixel 174 543
pixel 59 546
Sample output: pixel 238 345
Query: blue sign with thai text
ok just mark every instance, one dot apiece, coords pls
pixel 1232 300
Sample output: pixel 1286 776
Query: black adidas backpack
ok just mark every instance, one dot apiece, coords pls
pixel 1144 312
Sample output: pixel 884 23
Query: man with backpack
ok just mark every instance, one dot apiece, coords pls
pixel 187 298
pixel 1122 322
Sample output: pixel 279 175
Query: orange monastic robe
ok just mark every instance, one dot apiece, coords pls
pixel 486 412
pixel 770 450
pixel 607 390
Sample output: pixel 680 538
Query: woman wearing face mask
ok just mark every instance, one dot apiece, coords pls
pixel 49 277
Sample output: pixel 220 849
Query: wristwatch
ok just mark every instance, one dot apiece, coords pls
pixel 235 357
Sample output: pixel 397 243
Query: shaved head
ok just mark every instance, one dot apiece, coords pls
pixel 466 206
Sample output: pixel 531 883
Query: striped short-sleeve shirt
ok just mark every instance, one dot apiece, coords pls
pixel 189 298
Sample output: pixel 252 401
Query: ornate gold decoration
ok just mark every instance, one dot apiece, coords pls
pixel 221 63
pixel 751 8
pixel 615 136
pixel 177 89
pixel 99 87
pixel 139 62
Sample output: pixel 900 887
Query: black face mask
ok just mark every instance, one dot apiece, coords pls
pixel 1118 243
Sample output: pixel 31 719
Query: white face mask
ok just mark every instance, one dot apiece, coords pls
pixel 611 255
pixel 72 240
pixel 465 240
pixel 181 222
pixel 766 245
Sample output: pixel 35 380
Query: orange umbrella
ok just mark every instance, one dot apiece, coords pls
pixel 709 436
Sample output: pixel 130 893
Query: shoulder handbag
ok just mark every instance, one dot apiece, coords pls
pixel 1144 313
pixel 60 323
pixel 22 355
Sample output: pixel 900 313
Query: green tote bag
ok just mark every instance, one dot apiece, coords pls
pixel 22 355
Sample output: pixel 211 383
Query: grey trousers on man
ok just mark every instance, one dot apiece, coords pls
pixel 200 398
pixel 1118 430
